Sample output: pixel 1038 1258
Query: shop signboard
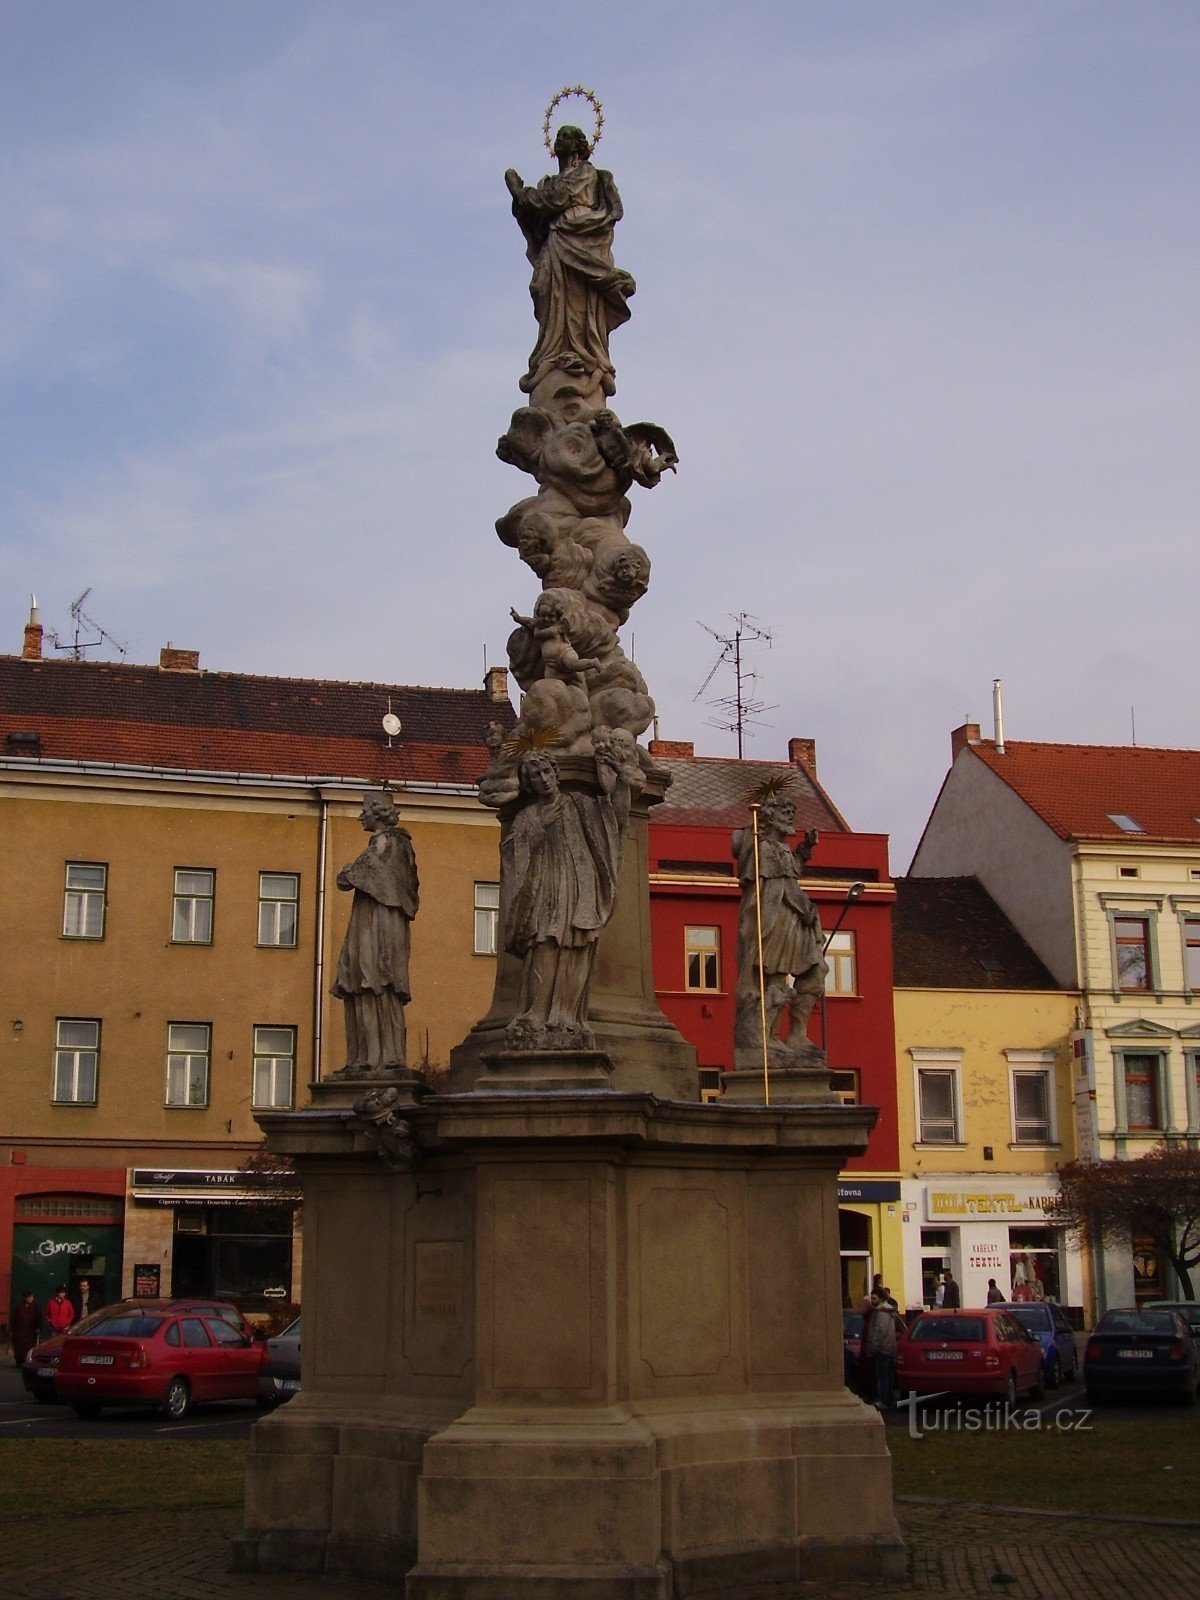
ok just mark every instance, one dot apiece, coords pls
pixel 999 1205
pixel 147 1280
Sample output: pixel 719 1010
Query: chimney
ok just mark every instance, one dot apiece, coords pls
pixel 31 650
pixel 803 753
pixel 495 681
pixel 998 715
pixel 673 749
pixel 967 734
pixel 172 660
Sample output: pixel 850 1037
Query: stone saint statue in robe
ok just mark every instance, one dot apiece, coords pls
pixel 579 293
pixel 560 863
pixel 372 971
pixel 793 961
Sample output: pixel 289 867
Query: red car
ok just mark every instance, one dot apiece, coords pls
pixel 40 1367
pixel 985 1352
pixel 158 1356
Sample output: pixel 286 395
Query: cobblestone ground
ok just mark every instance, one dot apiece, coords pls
pixel 955 1551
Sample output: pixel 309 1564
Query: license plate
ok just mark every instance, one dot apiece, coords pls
pixel 45 1372
pixel 943 1355
pixel 96 1361
pixel 289 1385
pixel 1135 1355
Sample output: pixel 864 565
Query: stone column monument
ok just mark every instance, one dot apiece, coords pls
pixel 595 1348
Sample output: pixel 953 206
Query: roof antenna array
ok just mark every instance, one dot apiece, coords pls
pixel 79 644
pixel 737 711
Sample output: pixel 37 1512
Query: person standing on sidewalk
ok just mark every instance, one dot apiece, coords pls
pixel 881 1346
pixel 58 1311
pixel 26 1326
pixel 951 1295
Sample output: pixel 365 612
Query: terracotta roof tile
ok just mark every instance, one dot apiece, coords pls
pixel 236 722
pixel 1078 788
pixel 948 933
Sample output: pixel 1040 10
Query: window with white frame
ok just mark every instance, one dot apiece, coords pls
pixel 1191 953
pixel 1031 1080
pixel 83 900
pixel 1131 937
pixel 702 959
pixel 278 909
pixel 76 1060
pixel 189 1049
pixel 841 976
pixel 274 1067
pixel 938 1093
pixel 192 918
pixel 487 918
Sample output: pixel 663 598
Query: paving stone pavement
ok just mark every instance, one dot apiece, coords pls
pixel 955 1551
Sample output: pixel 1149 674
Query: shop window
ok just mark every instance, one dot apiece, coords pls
pixel 278 909
pixel 76 1060
pixel 841 975
pixel 84 900
pixel 1131 936
pixel 1149 1278
pixel 240 1252
pixel 1034 1271
pixel 274 1067
pixel 939 1119
pixel 192 918
pixel 1143 1109
pixel 189 1047
pixel 1031 1077
pixel 845 1084
pixel 702 959
pixel 487 918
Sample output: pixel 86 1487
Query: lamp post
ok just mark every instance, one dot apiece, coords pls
pixel 854 892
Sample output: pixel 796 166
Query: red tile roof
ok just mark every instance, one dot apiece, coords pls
pixel 710 791
pixel 1077 788
pixel 96 711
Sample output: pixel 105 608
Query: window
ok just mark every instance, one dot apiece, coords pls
pixel 711 1084
pixel 1132 938
pixel 702 958
pixel 487 918
pixel 83 900
pixel 842 974
pixel 278 909
pixel 76 1061
pixel 844 1084
pixel 1129 872
pixel 937 1101
pixel 1031 1096
pixel 188 1047
pixel 1125 823
pixel 274 1067
pixel 1141 1092
pixel 193 919
pixel 1191 952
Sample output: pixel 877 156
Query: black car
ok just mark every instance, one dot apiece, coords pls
pixel 1141 1350
pixel 279 1375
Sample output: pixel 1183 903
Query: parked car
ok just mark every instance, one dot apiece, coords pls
pixel 1144 1350
pixel 279 1374
pixel 40 1366
pixel 1189 1310
pixel 852 1322
pixel 1054 1333
pixel 968 1352
pixel 159 1355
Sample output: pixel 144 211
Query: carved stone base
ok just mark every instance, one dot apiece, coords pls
pixel 542 1070
pixel 342 1088
pixel 797 1076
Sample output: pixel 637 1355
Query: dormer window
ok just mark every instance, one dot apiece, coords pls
pixel 1127 824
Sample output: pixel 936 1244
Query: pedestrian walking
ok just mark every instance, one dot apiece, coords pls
pixel 881 1346
pixel 995 1295
pixel 26 1326
pixel 58 1310
pixel 951 1295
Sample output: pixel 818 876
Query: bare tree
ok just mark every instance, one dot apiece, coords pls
pixel 1157 1195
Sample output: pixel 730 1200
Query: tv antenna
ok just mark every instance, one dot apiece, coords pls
pixel 738 711
pixel 79 644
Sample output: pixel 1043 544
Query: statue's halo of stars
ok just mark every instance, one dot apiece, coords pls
pixel 566 94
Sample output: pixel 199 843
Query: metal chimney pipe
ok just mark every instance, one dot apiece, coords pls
pixel 998 715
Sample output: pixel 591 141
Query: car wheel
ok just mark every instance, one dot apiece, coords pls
pixel 1056 1373
pixel 85 1408
pixel 1039 1386
pixel 176 1400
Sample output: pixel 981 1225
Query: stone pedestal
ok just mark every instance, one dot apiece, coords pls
pixel 588 1346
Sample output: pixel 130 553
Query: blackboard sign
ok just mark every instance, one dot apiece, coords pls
pixel 147 1277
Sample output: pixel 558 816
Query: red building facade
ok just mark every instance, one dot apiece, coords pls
pixel 694 898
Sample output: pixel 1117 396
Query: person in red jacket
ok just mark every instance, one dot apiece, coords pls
pixel 58 1310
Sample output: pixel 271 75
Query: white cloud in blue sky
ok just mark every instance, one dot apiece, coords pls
pixel 916 299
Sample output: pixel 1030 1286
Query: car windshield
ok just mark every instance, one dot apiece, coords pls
pixel 925 1330
pixel 134 1326
pixel 1032 1318
pixel 1136 1322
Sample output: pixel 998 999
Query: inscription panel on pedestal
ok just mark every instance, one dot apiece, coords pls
pixel 439 1298
pixel 541 1289
pixel 685 1311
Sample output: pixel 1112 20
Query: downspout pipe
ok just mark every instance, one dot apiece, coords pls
pixel 319 935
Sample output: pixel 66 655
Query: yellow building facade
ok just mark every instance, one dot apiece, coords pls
pixel 168 939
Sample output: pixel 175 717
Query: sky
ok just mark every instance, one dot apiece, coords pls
pixel 917 300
